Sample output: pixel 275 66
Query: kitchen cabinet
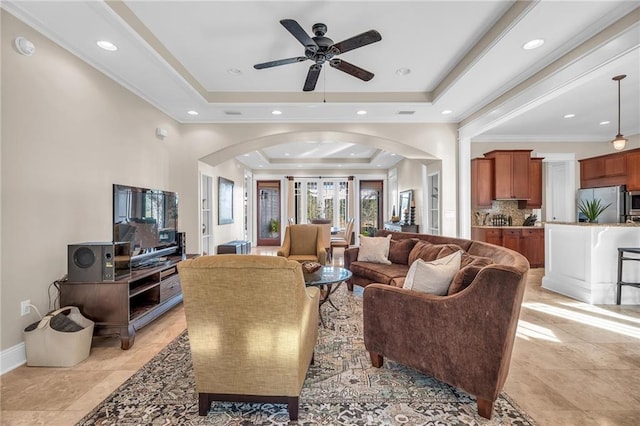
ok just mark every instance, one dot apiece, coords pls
pixel 532 246
pixel 605 170
pixel 528 241
pixel 482 183
pixel 488 235
pixel 535 184
pixel 511 174
pixel 511 239
pixel 633 171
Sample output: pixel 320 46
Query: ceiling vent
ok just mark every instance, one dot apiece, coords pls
pixel 232 113
pixel 406 112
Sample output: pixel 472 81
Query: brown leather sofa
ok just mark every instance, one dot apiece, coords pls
pixel 464 339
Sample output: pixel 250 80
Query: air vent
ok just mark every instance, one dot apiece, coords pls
pixel 232 113
pixel 406 112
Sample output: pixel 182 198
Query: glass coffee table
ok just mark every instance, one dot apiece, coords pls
pixel 325 280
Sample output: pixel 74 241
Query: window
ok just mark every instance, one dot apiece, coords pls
pixel 434 203
pixel 318 198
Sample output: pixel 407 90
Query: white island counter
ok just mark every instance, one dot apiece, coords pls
pixel 581 261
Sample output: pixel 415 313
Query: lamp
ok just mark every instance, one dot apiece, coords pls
pixel 619 142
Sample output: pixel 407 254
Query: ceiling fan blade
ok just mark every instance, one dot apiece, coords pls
pixel 298 32
pixel 312 77
pixel 355 71
pixel 280 62
pixel 354 42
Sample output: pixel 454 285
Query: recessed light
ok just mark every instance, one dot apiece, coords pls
pixel 569 115
pixel 276 112
pixel 286 154
pixel 107 45
pixel 361 112
pixel 234 71
pixel 446 112
pixel 339 165
pixel 353 153
pixel 533 44
pixel 260 165
pixel 602 123
pixel 246 155
pixel 192 112
pixel 403 71
pixel 393 154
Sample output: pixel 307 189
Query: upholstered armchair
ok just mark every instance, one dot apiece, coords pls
pixel 302 243
pixel 465 339
pixel 252 327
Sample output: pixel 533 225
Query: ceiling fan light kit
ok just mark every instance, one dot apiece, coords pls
pixel 619 142
pixel 321 49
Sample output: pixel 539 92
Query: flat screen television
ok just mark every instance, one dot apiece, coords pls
pixel 148 219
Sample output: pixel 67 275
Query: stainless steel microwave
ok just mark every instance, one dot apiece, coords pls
pixel 633 203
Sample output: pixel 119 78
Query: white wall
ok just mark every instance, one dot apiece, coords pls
pixel 69 133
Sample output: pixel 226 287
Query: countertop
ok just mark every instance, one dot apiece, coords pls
pixel 630 225
pixel 509 227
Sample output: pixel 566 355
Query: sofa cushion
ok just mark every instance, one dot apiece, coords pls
pixel 374 249
pixel 427 251
pixel 377 272
pixel 399 250
pixel 469 259
pixel 433 277
pixel 463 278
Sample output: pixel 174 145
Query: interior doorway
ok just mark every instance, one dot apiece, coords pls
pixel 268 218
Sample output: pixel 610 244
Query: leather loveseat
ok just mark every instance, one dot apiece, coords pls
pixel 464 338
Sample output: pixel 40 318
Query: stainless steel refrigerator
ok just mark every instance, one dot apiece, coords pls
pixel 613 195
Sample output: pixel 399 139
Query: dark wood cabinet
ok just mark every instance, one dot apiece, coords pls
pixel 399 227
pixel 488 235
pixel 124 306
pixel 527 241
pixel 511 174
pixel 511 239
pixel 607 170
pixel 535 184
pixel 532 246
pixel 482 183
pixel 633 171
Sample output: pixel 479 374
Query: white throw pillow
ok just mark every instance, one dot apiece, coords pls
pixel 433 277
pixel 374 249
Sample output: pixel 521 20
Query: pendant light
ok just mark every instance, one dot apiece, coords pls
pixel 619 142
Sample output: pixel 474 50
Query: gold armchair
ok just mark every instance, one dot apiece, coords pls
pixel 302 243
pixel 252 327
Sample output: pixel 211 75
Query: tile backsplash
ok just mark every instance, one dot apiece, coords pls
pixel 505 207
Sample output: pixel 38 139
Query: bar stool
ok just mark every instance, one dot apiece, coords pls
pixel 621 258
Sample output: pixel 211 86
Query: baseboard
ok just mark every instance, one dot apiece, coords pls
pixel 12 358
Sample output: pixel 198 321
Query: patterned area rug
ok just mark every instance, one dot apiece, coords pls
pixel 341 388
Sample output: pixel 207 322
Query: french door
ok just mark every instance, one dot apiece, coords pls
pixel 321 199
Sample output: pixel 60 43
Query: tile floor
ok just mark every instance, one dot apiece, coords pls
pixel 573 364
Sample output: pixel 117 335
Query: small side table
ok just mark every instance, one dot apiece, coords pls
pixel 621 259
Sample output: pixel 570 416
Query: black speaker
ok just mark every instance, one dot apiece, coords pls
pixel 182 244
pixel 98 262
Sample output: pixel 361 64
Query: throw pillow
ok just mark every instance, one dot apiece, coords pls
pixel 374 249
pixel 399 250
pixel 433 277
pixel 428 251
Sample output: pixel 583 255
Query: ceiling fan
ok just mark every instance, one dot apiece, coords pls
pixel 321 49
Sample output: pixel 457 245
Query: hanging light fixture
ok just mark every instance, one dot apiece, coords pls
pixel 619 142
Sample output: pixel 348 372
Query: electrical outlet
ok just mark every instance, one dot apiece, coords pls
pixel 25 307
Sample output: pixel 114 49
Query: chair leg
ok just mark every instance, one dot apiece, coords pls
pixel 376 359
pixel 292 407
pixel 204 403
pixel 485 407
pixel 349 286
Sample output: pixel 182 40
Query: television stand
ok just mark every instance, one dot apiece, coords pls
pixel 124 306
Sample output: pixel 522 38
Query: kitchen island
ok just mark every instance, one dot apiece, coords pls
pixel 581 261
